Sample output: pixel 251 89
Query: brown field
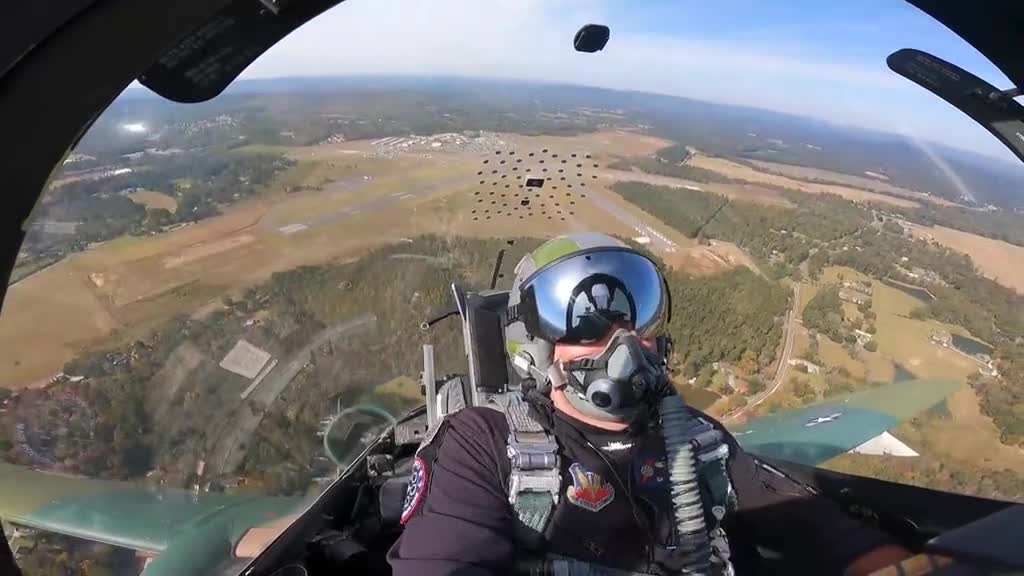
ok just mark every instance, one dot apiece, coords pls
pixel 152 200
pixel 206 249
pixel 747 192
pixel 965 445
pixel 862 182
pixel 123 288
pixel 900 339
pixel 998 260
pixel 47 318
pixel 740 172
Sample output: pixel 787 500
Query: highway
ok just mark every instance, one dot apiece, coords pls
pixel 787 350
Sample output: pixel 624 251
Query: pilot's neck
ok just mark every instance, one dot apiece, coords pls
pixel 562 405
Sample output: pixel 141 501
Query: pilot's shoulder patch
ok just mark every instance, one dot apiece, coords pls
pixel 419 478
pixel 416 490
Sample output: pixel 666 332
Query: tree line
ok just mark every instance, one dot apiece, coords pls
pixel 734 317
pixel 778 237
pixel 200 182
pixel 824 314
pixel 1002 225
pixel 987 309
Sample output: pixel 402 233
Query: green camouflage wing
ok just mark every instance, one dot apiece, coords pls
pixel 817 433
pixel 191 532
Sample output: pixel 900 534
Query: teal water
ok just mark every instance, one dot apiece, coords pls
pixel 970 345
pixel 919 294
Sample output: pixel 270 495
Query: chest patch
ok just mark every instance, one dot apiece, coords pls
pixel 588 491
pixel 650 471
pixel 416 490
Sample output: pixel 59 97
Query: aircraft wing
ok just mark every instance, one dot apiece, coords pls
pixel 822 431
pixel 199 530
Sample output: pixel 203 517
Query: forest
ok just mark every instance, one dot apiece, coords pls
pixel 734 317
pixel 668 162
pixel 1004 225
pixel 685 212
pixel 780 238
pixel 141 426
pixel 987 309
pixel 819 230
pixel 1005 403
pixel 200 182
pixel 824 313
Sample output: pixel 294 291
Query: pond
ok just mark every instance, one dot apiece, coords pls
pixel 971 346
pixel 919 294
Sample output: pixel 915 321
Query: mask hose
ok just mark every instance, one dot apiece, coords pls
pixel 694 545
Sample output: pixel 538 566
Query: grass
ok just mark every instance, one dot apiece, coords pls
pixel 827 176
pixel 262 149
pixel 23 270
pixel 807 293
pixel 960 451
pixel 403 386
pixel 906 340
pixel 746 173
pixel 152 199
pixel 900 339
pixel 994 258
pixel 960 448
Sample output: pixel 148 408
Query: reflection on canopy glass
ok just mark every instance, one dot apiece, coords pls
pixel 222 301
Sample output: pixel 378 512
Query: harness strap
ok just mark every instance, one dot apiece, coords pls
pixel 562 566
pixel 586 364
pixel 535 481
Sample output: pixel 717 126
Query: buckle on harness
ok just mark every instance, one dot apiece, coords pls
pixel 535 465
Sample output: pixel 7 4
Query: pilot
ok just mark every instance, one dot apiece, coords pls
pixel 596 466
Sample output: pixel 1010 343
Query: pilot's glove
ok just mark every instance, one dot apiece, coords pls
pixel 784 518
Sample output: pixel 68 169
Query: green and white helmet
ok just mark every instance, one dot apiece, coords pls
pixel 574 289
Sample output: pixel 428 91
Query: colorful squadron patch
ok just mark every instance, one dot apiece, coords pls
pixel 652 471
pixel 416 490
pixel 588 491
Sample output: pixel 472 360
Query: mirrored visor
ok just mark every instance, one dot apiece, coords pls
pixel 581 298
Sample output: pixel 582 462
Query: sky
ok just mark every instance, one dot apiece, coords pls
pixel 823 59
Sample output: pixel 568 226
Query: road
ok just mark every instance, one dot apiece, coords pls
pixel 787 350
pixel 225 458
pixel 659 241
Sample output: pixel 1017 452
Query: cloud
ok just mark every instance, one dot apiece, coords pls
pixel 531 40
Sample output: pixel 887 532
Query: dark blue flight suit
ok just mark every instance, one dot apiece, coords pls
pixel 613 506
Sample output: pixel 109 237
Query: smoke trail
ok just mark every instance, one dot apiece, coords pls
pixel 940 163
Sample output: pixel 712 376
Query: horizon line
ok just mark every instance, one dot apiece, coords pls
pixel 836 124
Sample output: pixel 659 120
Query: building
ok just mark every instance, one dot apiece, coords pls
pixel 862 337
pixel 812 368
pixel 861 286
pixel 245 360
pixel 853 296
pixel 941 337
